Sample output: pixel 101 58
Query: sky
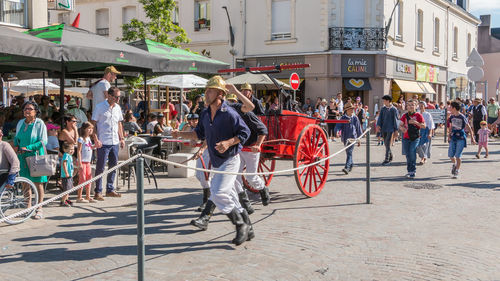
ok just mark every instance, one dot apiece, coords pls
pixel 485 7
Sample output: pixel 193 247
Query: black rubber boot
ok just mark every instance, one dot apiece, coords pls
pixel 241 227
pixel 206 214
pixel 264 195
pixel 245 202
pixel 246 219
pixel 206 195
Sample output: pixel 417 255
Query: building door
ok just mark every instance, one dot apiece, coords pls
pixel 354 13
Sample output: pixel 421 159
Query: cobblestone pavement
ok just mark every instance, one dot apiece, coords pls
pixel 430 228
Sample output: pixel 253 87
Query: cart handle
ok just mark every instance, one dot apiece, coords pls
pixel 263 69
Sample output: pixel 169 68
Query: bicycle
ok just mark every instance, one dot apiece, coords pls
pixel 22 195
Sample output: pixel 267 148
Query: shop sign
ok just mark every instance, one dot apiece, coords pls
pixel 358 66
pixel 403 69
pixel 427 73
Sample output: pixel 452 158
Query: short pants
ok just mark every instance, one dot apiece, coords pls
pixel 456 147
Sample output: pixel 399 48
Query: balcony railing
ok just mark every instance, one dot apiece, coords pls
pixel 102 31
pixel 357 38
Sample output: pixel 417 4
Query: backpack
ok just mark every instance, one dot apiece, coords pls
pixel 413 131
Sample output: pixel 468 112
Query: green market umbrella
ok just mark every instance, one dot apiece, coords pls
pixel 180 61
pixel 83 50
pixel 22 52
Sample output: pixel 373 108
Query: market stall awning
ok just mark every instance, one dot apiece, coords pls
pixel 427 88
pixel 357 84
pixel 31 85
pixel 180 61
pixel 409 86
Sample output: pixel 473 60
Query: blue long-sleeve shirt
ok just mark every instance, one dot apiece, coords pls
pixel 387 119
pixel 349 130
pixel 226 124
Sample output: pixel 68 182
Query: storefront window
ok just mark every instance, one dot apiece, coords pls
pixel 13 12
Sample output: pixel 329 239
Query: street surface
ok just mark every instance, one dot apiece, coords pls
pixel 430 228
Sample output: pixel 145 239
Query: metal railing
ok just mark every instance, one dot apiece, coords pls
pixel 356 38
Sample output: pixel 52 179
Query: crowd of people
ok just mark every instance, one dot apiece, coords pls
pixel 226 122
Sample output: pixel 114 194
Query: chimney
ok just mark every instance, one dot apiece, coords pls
pixel 485 20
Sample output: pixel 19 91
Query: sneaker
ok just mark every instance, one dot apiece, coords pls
pixel 453 169
pixel 64 204
pixel 455 175
pixel 345 171
pixel 410 175
pixel 69 202
pixel 98 197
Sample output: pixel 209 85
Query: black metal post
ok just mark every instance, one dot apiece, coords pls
pixel 139 170
pixel 43 83
pixel 146 99
pixel 368 168
pixel 61 92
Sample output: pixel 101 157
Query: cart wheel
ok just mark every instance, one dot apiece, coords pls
pixel 311 146
pixel 265 165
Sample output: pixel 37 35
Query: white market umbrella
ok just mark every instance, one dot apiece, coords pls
pixel 31 85
pixel 181 81
pixel 261 81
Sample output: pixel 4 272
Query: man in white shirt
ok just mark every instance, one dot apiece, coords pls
pixel 107 119
pixel 340 103
pixel 98 92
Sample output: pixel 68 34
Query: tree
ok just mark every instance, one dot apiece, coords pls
pixel 159 26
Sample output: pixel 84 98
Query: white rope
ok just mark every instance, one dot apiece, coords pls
pixel 352 142
pixel 25 211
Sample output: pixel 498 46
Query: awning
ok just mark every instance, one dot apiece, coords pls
pixel 427 88
pixel 357 84
pixel 409 86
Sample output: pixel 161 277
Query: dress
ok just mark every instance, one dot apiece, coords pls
pixel 23 139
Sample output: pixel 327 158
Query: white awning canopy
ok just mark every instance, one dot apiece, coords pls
pixel 409 86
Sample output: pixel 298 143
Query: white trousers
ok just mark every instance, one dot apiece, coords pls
pixel 222 187
pixel 201 175
pixel 250 160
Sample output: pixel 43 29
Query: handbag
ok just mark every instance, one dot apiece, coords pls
pixel 42 165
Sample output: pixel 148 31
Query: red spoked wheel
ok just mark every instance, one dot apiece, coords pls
pixel 311 146
pixel 265 165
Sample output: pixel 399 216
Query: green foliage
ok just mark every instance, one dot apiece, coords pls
pixel 159 26
pixel 133 82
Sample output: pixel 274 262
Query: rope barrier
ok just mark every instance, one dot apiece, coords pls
pixel 25 211
pixel 352 142
pixel 4 219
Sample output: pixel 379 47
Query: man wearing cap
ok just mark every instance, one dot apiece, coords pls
pixel 478 114
pixel 80 116
pixel 247 91
pixel 223 129
pixel 98 92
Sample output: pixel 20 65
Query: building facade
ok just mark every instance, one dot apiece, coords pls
pixel 23 14
pixel 345 41
pixel 489 48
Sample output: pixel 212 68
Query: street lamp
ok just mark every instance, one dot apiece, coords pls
pixel 231 34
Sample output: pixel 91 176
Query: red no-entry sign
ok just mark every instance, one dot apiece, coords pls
pixel 294 81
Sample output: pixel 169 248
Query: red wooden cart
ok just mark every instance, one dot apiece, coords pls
pixel 293 136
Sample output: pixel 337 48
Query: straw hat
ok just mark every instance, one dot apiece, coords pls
pixel 231 97
pixel 348 106
pixel 246 86
pixel 111 69
pixel 217 82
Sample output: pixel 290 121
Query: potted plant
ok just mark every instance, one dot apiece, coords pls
pixel 201 21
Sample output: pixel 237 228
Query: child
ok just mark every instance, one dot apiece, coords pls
pixel 52 141
pixel 67 172
pixel 84 156
pixel 484 132
pixel 351 130
pixel 458 141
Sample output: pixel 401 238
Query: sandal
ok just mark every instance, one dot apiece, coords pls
pixel 38 215
pixel 91 200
